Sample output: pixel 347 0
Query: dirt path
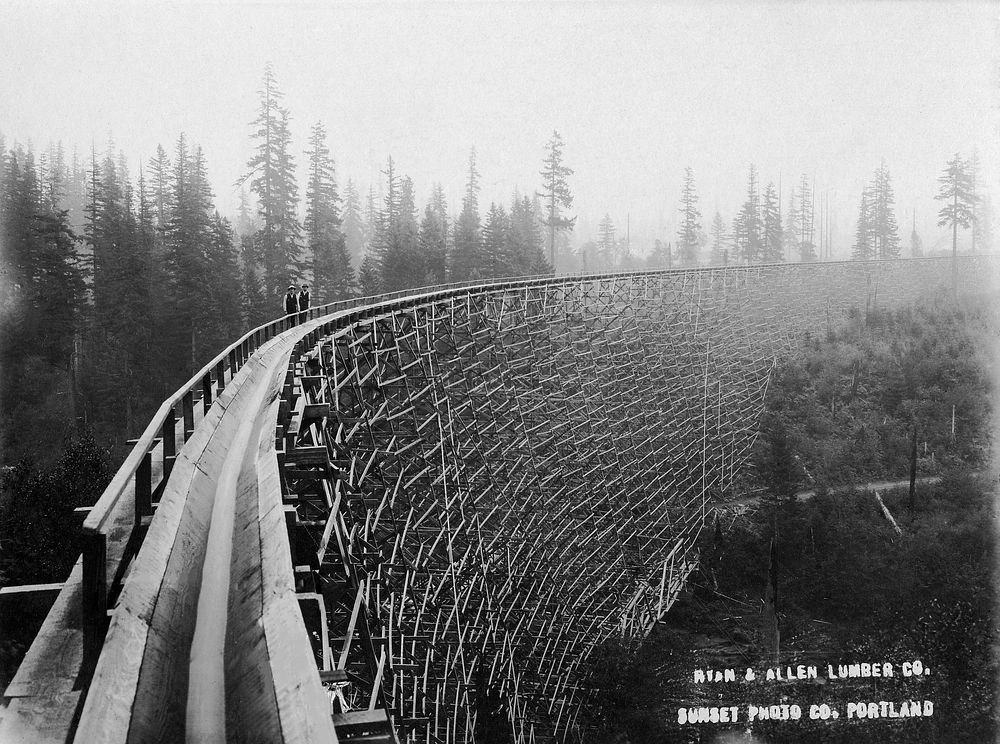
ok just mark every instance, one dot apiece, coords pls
pixel 805 495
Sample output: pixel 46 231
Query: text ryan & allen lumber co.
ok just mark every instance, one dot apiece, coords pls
pixel 803 671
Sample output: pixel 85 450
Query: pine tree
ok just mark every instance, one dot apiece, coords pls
pixel 118 364
pixel 433 238
pixel 41 294
pixel 527 238
pixel 886 232
pixel 606 244
pixel 402 268
pixel 245 223
pixel 467 260
pixel 432 243
pixel 255 309
pixel 353 226
pixel 747 229
pixel 688 237
pixel 864 239
pixel 773 249
pixel 806 221
pixel 189 238
pixel 159 169
pixel 42 279
pixel 370 275
pixel 271 172
pixel 224 288
pixel 555 192
pixel 332 274
pixel 498 256
pixel 958 194
pixel 386 252
pixel 719 238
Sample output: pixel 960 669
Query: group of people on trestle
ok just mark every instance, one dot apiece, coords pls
pixel 297 302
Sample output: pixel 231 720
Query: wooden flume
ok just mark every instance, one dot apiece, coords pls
pixel 479 485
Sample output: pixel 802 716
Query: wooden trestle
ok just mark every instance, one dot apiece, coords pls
pixel 465 493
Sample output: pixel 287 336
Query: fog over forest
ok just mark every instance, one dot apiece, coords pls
pixel 638 92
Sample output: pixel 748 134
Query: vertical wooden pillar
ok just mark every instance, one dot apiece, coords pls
pixel 169 433
pixel 144 488
pixel 187 409
pixel 94 597
pixel 220 377
pixel 206 392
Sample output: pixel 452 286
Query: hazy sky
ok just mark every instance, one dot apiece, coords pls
pixel 638 91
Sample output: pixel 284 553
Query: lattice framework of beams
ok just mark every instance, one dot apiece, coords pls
pixel 514 474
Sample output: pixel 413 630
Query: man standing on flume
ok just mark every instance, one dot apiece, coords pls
pixel 291 303
pixel 303 302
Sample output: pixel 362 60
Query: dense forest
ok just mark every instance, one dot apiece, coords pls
pixel 843 586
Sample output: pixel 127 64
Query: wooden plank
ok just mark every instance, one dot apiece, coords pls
pixel 43 719
pixel 358 721
pixel 13 593
pixel 53 661
pixel 308 455
pixel 315 412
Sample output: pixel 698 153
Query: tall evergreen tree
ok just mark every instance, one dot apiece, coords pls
pixel 555 193
pixel 402 267
pixel 271 172
pixel 957 192
pixel 353 226
pixel 718 255
pixel 189 238
pixel 432 242
pixel 689 234
pixel 224 287
pixel 41 294
pixel 117 358
pixel 467 260
pixel 159 170
pixel 747 229
pixel 433 238
pixel 256 309
pixel 40 261
pixel 332 274
pixel 864 237
pixel 773 249
pixel 245 223
pixel 382 262
pixel 527 238
pixel 805 240
pixel 498 259
pixel 886 232
pixel 606 243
